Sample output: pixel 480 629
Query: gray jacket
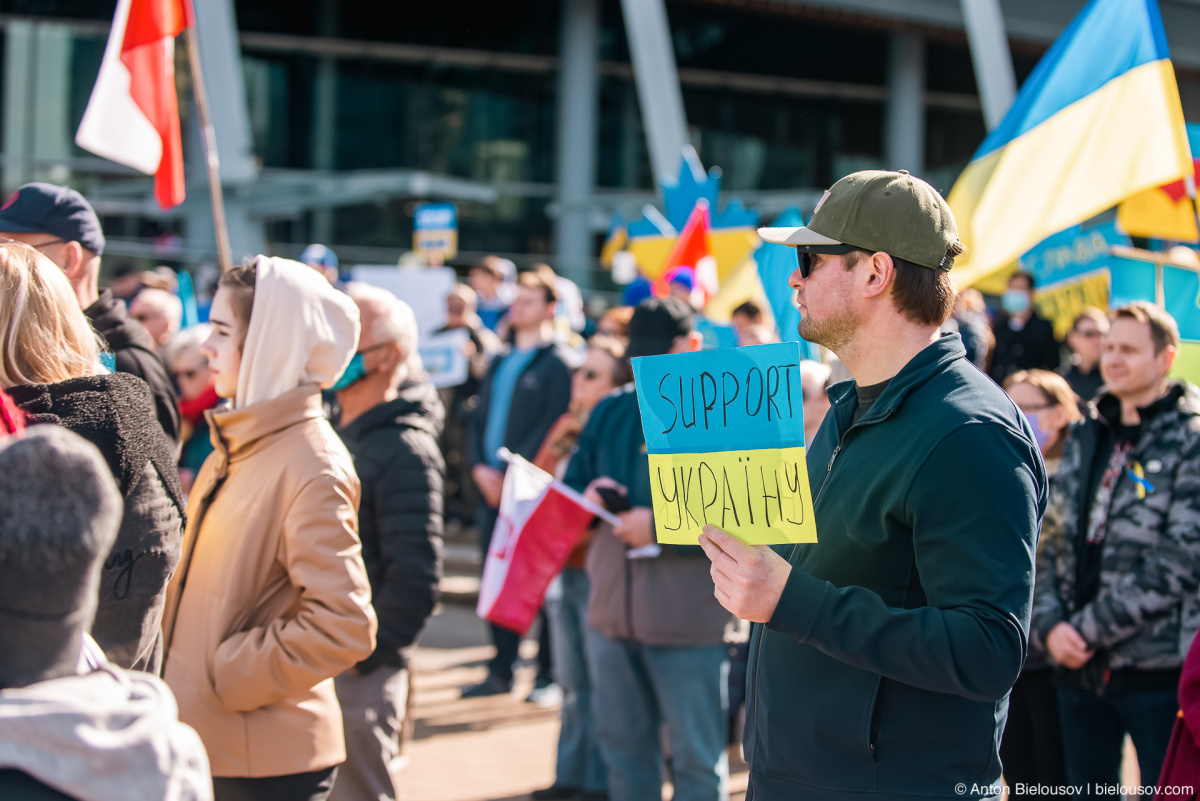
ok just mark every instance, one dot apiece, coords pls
pixel 667 600
pixel 1147 609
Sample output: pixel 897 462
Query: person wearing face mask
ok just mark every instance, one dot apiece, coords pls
pixel 1024 339
pixel 391 419
pixel 271 600
pixel 1031 749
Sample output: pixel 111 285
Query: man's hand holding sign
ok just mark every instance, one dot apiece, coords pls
pixel 749 578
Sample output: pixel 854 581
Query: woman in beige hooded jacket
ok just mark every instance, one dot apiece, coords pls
pixel 271 599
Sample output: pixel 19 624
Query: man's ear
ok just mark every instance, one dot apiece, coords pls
pixel 695 341
pixel 74 261
pixel 1168 356
pixel 881 271
pixel 392 356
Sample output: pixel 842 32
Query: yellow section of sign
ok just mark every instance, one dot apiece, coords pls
pixel 1062 304
pixel 760 496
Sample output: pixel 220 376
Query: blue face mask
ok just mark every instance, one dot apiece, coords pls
pixel 355 371
pixel 1041 436
pixel 1014 301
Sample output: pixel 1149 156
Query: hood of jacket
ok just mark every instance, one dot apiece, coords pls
pixel 107 735
pixel 116 414
pixel 418 407
pixel 302 331
pixel 111 321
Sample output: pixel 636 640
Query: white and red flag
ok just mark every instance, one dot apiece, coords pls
pixel 132 117
pixel 540 521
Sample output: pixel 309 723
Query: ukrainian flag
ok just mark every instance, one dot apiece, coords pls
pixel 1098 120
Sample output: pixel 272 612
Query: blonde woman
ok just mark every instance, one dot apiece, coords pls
pixel 50 365
pixel 271 599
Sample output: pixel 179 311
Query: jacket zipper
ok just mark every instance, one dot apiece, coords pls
pixel 820 491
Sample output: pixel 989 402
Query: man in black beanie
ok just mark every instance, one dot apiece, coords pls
pixel 71 725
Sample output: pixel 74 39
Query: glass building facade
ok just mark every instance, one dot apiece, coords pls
pixel 782 97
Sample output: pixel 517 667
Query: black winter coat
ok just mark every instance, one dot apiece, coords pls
pixel 135 354
pixel 396 455
pixel 541 395
pixel 116 414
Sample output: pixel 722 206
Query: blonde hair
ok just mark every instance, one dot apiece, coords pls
pixel 44 336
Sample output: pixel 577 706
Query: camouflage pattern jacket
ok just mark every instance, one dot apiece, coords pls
pixel 1147 609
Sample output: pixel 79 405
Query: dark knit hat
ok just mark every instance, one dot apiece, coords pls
pixel 61 510
pixel 656 324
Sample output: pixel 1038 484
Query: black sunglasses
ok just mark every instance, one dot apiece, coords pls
pixel 805 253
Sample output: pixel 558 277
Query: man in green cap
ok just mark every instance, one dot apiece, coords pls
pixel 884 654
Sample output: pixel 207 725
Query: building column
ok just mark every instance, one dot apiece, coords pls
pixel 991 57
pixel 904 133
pixel 325 117
pixel 37 66
pixel 578 124
pixel 657 78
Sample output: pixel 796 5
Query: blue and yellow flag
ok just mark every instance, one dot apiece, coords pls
pixel 1098 120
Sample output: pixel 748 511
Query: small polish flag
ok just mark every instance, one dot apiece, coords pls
pixel 540 521
pixel 132 117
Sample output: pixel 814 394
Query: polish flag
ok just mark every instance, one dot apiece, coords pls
pixel 540 521
pixel 132 117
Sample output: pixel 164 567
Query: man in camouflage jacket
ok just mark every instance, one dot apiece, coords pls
pixel 1116 603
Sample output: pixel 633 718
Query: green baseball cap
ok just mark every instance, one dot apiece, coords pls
pixel 878 210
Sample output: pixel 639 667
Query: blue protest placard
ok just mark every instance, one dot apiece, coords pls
pixel 435 229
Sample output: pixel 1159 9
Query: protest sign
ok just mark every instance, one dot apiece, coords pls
pixel 435 230
pixel 444 358
pixel 725 435
pixel 423 290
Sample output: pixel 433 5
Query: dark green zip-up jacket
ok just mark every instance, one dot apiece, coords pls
pixel 886 668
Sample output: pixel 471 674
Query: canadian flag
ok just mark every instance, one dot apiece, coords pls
pixel 692 249
pixel 540 521
pixel 132 117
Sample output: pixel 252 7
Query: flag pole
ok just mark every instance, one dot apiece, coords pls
pixel 209 137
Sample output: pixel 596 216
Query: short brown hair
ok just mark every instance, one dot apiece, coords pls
pixel 537 279
pixel 925 296
pixel 1054 389
pixel 1164 332
pixel 241 282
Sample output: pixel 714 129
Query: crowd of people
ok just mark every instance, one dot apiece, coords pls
pixel 220 542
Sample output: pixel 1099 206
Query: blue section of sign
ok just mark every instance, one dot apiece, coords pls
pixel 436 217
pixel 1181 291
pixel 1131 279
pixel 721 400
pixel 716 335
pixel 1072 253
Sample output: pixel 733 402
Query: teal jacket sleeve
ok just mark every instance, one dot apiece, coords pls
pixel 974 520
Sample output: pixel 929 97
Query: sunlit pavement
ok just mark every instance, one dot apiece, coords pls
pixel 482 749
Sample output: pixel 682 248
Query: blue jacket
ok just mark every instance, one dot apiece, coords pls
pixel 886 668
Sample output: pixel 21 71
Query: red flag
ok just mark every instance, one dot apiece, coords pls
pixel 540 521
pixel 133 114
pixel 692 249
